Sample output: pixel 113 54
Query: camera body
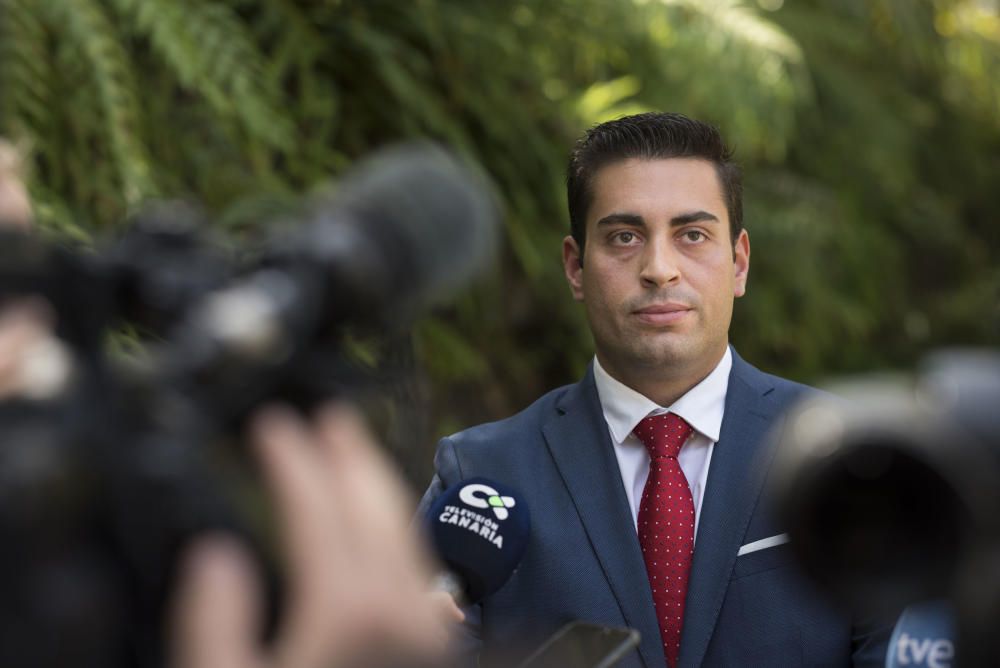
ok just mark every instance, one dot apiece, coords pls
pixel 108 473
pixel 891 492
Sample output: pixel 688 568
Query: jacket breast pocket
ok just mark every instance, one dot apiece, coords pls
pixel 766 559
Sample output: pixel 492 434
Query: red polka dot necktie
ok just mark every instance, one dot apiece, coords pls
pixel 666 524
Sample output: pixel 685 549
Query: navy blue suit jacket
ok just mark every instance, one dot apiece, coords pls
pixel 583 559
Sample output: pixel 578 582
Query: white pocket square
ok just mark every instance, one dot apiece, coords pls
pixel 763 544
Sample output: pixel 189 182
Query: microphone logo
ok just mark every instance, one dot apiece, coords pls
pixel 479 495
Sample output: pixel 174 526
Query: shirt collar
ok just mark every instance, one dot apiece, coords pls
pixel 702 406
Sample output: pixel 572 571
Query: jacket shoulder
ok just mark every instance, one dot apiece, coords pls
pixel 527 421
pixel 774 388
pixel 503 450
pixel 784 387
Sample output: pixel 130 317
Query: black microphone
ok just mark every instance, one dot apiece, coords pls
pixel 479 529
pixel 409 226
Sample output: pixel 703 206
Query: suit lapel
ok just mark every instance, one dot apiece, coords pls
pixel 578 439
pixel 735 477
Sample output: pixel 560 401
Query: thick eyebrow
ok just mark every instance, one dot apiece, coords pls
pixel 638 221
pixel 632 219
pixel 693 217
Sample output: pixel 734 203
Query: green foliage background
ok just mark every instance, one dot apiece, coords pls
pixel 869 131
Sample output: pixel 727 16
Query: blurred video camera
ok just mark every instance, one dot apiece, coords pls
pixel 891 494
pixel 106 469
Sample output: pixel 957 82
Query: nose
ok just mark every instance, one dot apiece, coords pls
pixel 660 265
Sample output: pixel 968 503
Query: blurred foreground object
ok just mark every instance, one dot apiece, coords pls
pixel 108 475
pixel 15 207
pixel 356 578
pixel 406 229
pixel 892 495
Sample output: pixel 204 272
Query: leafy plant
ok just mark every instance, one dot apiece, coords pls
pixel 868 131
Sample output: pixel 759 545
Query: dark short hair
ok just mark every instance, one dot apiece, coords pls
pixel 649 136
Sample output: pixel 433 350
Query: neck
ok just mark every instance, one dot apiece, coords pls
pixel 662 384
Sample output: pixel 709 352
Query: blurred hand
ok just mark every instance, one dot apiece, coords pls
pixel 15 204
pixel 33 363
pixel 356 575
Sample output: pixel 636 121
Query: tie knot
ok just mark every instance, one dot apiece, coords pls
pixel 663 435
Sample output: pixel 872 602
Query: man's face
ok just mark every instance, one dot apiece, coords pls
pixel 660 270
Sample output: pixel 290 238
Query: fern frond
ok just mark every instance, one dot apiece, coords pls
pixel 88 30
pixel 24 71
pixel 212 53
pixel 54 218
pixel 737 67
pixel 297 47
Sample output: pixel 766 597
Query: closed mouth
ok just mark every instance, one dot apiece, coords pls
pixel 660 309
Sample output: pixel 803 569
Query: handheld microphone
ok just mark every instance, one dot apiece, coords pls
pixel 923 636
pixel 479 529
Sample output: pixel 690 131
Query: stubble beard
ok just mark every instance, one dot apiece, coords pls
pixel 635 353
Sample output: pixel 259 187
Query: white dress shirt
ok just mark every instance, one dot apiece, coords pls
pixel 702 406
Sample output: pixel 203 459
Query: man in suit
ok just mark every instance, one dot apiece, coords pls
pixel 644 480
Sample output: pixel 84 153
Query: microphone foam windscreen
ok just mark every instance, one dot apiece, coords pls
pixel 480 529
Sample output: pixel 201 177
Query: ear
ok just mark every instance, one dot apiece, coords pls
pixel 741 261
pixel 573 267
